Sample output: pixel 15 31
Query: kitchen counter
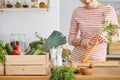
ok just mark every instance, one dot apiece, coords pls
pixel 102 73
pixel 99 73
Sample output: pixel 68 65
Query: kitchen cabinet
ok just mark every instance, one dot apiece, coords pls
pixel 114 51
pixel 24 5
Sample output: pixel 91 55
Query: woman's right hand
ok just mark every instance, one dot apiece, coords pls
pixel 85 43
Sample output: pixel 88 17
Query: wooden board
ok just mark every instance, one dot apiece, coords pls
pixel 98 64
pixel 114 52
pixel 26 59
pixel 1 69
pixel 27 70
pixel 114 48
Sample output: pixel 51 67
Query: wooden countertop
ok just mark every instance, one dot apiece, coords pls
pixel 99 73
pixel 102 73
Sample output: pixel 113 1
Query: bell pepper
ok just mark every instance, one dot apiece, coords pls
pixel 16 52
pixel 16 47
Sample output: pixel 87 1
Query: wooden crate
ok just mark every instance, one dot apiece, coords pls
pixel 27 65
pixel 114 48
pixel 1 69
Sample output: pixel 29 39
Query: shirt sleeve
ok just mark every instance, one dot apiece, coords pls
pixel 113 15
pixel 114 19
pixel 73 31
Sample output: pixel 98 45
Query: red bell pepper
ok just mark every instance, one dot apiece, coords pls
pixel 16 52
pixel 16 47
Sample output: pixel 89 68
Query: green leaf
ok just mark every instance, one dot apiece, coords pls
pixel 108 27
pixel 62 73
pixel 2 52
pixel 54 40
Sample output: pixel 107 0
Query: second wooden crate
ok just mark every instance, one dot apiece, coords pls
pixel 27 64
pixel 114 48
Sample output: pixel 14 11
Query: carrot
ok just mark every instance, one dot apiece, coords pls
pixel 89 52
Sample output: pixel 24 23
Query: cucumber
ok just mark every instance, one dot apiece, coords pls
pixel 8 48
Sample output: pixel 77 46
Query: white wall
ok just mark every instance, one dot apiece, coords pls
pixel 29 22
pixel 66 9
pixel 43 22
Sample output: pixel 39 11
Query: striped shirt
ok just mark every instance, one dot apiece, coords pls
pixel 87 23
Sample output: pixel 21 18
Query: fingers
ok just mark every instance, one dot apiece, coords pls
pixel 85 43
pixel 102 39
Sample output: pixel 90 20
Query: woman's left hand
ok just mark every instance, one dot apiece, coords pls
pixel 103 38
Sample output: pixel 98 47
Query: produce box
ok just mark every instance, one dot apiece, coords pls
pixel 27 64
pixel 1 69
pixel 114 48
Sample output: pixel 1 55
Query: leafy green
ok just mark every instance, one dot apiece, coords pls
pixel 108 27
pixel 54 40
pixel 34 45
pixel 62 73
pixel 2 52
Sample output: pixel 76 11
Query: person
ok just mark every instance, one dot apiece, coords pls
pixel 87 21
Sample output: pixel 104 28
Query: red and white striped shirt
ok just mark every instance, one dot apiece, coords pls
pixel 87 23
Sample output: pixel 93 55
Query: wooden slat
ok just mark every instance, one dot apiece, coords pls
pixel 27 70
pixel 117 47
pixel 24 9
pixel 26 59
pixel 114 52
pixel 1 69
pixel 25 77
pixel 116 43
pixel 114 48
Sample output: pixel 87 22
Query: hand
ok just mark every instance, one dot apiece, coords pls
pixel 85 43
pixel 103 38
